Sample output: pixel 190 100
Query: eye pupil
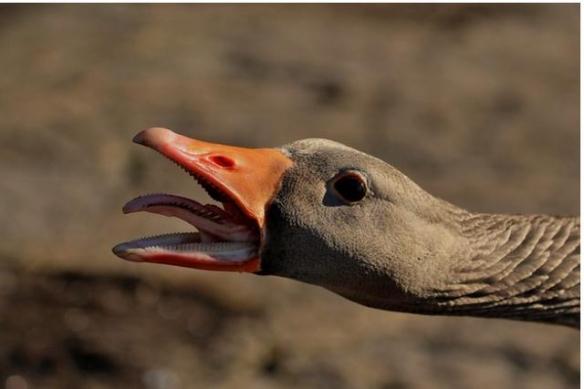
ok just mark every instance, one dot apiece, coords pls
pixel 351 187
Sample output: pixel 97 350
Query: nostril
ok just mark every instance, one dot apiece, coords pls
pixel 222 161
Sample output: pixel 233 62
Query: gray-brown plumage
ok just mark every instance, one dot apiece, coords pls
pixel 402 249
pixel 335 217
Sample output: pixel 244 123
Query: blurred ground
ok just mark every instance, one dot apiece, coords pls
pixel 478 104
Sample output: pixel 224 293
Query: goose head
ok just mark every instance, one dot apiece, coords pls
pixel 315 211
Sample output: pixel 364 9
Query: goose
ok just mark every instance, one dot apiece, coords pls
pixel 323 213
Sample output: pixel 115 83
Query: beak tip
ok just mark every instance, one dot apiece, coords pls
pixel 153 136
pixel 123 251
pixel 118 250
pixel 139 138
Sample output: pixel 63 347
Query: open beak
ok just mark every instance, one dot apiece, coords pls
pixel 243 180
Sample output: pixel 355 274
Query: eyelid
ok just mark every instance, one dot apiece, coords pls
pixel 350 172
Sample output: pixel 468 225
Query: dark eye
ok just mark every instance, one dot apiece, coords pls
pixel 351 187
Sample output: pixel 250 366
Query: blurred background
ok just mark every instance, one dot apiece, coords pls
pixel 479 104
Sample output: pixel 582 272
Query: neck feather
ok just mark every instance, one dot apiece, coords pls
pixel 517 267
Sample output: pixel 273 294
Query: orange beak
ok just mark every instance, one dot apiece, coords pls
pixel 251 176
pixel 244 180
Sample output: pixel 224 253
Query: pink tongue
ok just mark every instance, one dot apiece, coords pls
pixel 206 218
pixel 140 203
pixel 233 212
pixel 213 223
pixel 205 226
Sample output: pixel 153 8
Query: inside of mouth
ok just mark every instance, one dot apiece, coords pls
pixel 225 235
